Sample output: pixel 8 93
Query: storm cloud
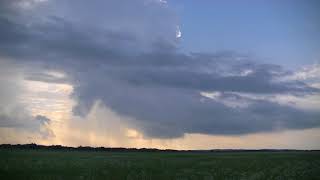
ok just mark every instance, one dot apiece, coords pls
pixel 131 62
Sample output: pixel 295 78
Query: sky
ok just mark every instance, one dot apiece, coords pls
pixel 160 74
pixel 285 32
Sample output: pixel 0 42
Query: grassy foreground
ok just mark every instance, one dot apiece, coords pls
pixel 59 164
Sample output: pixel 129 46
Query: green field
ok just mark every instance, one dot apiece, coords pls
pixel 51 164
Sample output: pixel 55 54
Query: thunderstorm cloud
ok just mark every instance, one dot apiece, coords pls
pixel 125 54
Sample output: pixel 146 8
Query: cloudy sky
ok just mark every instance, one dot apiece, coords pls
pixel 160 74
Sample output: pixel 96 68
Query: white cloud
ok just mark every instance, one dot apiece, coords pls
pixel 246 72
pixel 28 4
pixel 227 100
pixel 309 74
pixel 243 100
pixel 14 114
pixel 178 33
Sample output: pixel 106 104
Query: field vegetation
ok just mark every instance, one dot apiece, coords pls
pixel 57 164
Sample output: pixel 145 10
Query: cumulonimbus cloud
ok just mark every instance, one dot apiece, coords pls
pixel 134 67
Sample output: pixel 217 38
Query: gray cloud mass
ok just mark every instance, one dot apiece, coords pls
pixel 134 66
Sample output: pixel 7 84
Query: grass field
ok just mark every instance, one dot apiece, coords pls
pixel 59 164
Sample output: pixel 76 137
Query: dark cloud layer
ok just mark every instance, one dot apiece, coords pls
pixel 139 71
